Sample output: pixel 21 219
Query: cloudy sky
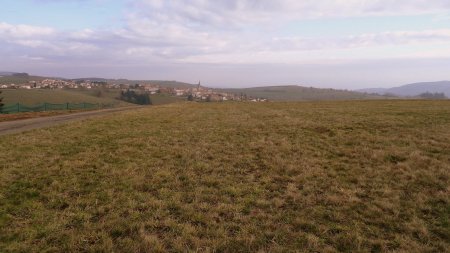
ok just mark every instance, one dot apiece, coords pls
pixel 231 43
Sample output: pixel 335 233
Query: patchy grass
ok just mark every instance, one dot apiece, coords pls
pixel 368 176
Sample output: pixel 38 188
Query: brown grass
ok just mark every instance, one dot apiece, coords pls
pixel 368 176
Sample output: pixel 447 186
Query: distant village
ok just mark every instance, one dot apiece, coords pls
pixel 194 93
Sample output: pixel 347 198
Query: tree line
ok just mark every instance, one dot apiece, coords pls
pixel 131 96
pixel 429 95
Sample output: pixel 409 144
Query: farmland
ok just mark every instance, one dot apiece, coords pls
pixel 106 96
pixel 37 96
pixel 233 177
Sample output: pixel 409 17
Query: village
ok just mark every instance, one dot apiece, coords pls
pixel 193 93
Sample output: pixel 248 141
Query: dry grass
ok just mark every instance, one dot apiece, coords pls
pixel 367 176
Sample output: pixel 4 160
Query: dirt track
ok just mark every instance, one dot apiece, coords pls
pixel 11 127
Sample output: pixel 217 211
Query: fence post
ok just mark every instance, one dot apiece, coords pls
pixel 45 107
pixel 67 106
pixel 18 107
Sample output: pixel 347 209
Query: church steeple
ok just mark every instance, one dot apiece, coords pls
pixel 198 86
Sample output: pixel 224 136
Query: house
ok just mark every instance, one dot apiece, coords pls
pixel 152 90
pixel 178 92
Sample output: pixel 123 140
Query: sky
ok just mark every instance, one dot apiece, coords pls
pixel 344 44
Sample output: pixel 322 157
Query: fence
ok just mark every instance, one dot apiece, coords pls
pixel 16 108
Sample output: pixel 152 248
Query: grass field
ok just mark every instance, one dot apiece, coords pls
pixel 38 96
pixel 362 176
pixel 299 93
pixel 30 97
pixel 163 99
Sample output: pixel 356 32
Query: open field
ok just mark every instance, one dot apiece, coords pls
pixel 37 96
pixel 299 93
pixel 364 176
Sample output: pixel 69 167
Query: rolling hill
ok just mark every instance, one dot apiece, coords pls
pixel 6 73
pixel 299 93
pixel 11 79
pixel 414 89
pixel 38 96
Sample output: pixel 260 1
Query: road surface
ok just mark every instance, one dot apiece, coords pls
pixel 17 126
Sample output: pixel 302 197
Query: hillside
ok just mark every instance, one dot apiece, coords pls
pixel 415 89
pixel 37 96
pixel 6 73
pixel 299 93
pixel 19 79
pixel 353 176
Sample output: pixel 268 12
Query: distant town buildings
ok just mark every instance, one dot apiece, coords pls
pixel 195 93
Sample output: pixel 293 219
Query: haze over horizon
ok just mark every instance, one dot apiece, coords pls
pixel 348 44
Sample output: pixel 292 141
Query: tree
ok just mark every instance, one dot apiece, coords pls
pixel 190 97
pixel 98 93
pixel 429 95
pixel 136 98
pixel 1 104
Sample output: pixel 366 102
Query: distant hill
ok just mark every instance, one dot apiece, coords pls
pixel 299 93
pixel 20 78
pixel 414 89
pixel 16 78
pixel 6 73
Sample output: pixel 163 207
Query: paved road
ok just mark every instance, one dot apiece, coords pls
pixel 11 127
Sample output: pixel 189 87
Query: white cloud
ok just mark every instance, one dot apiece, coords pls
pixel 237 12
pixel 24 31
pixel 229 32
pixel 146 41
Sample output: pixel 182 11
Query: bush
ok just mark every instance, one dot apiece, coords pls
pixel 135 98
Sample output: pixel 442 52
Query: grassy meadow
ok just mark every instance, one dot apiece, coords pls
pixel 300 93
pixel 360 176
pixel 38 96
